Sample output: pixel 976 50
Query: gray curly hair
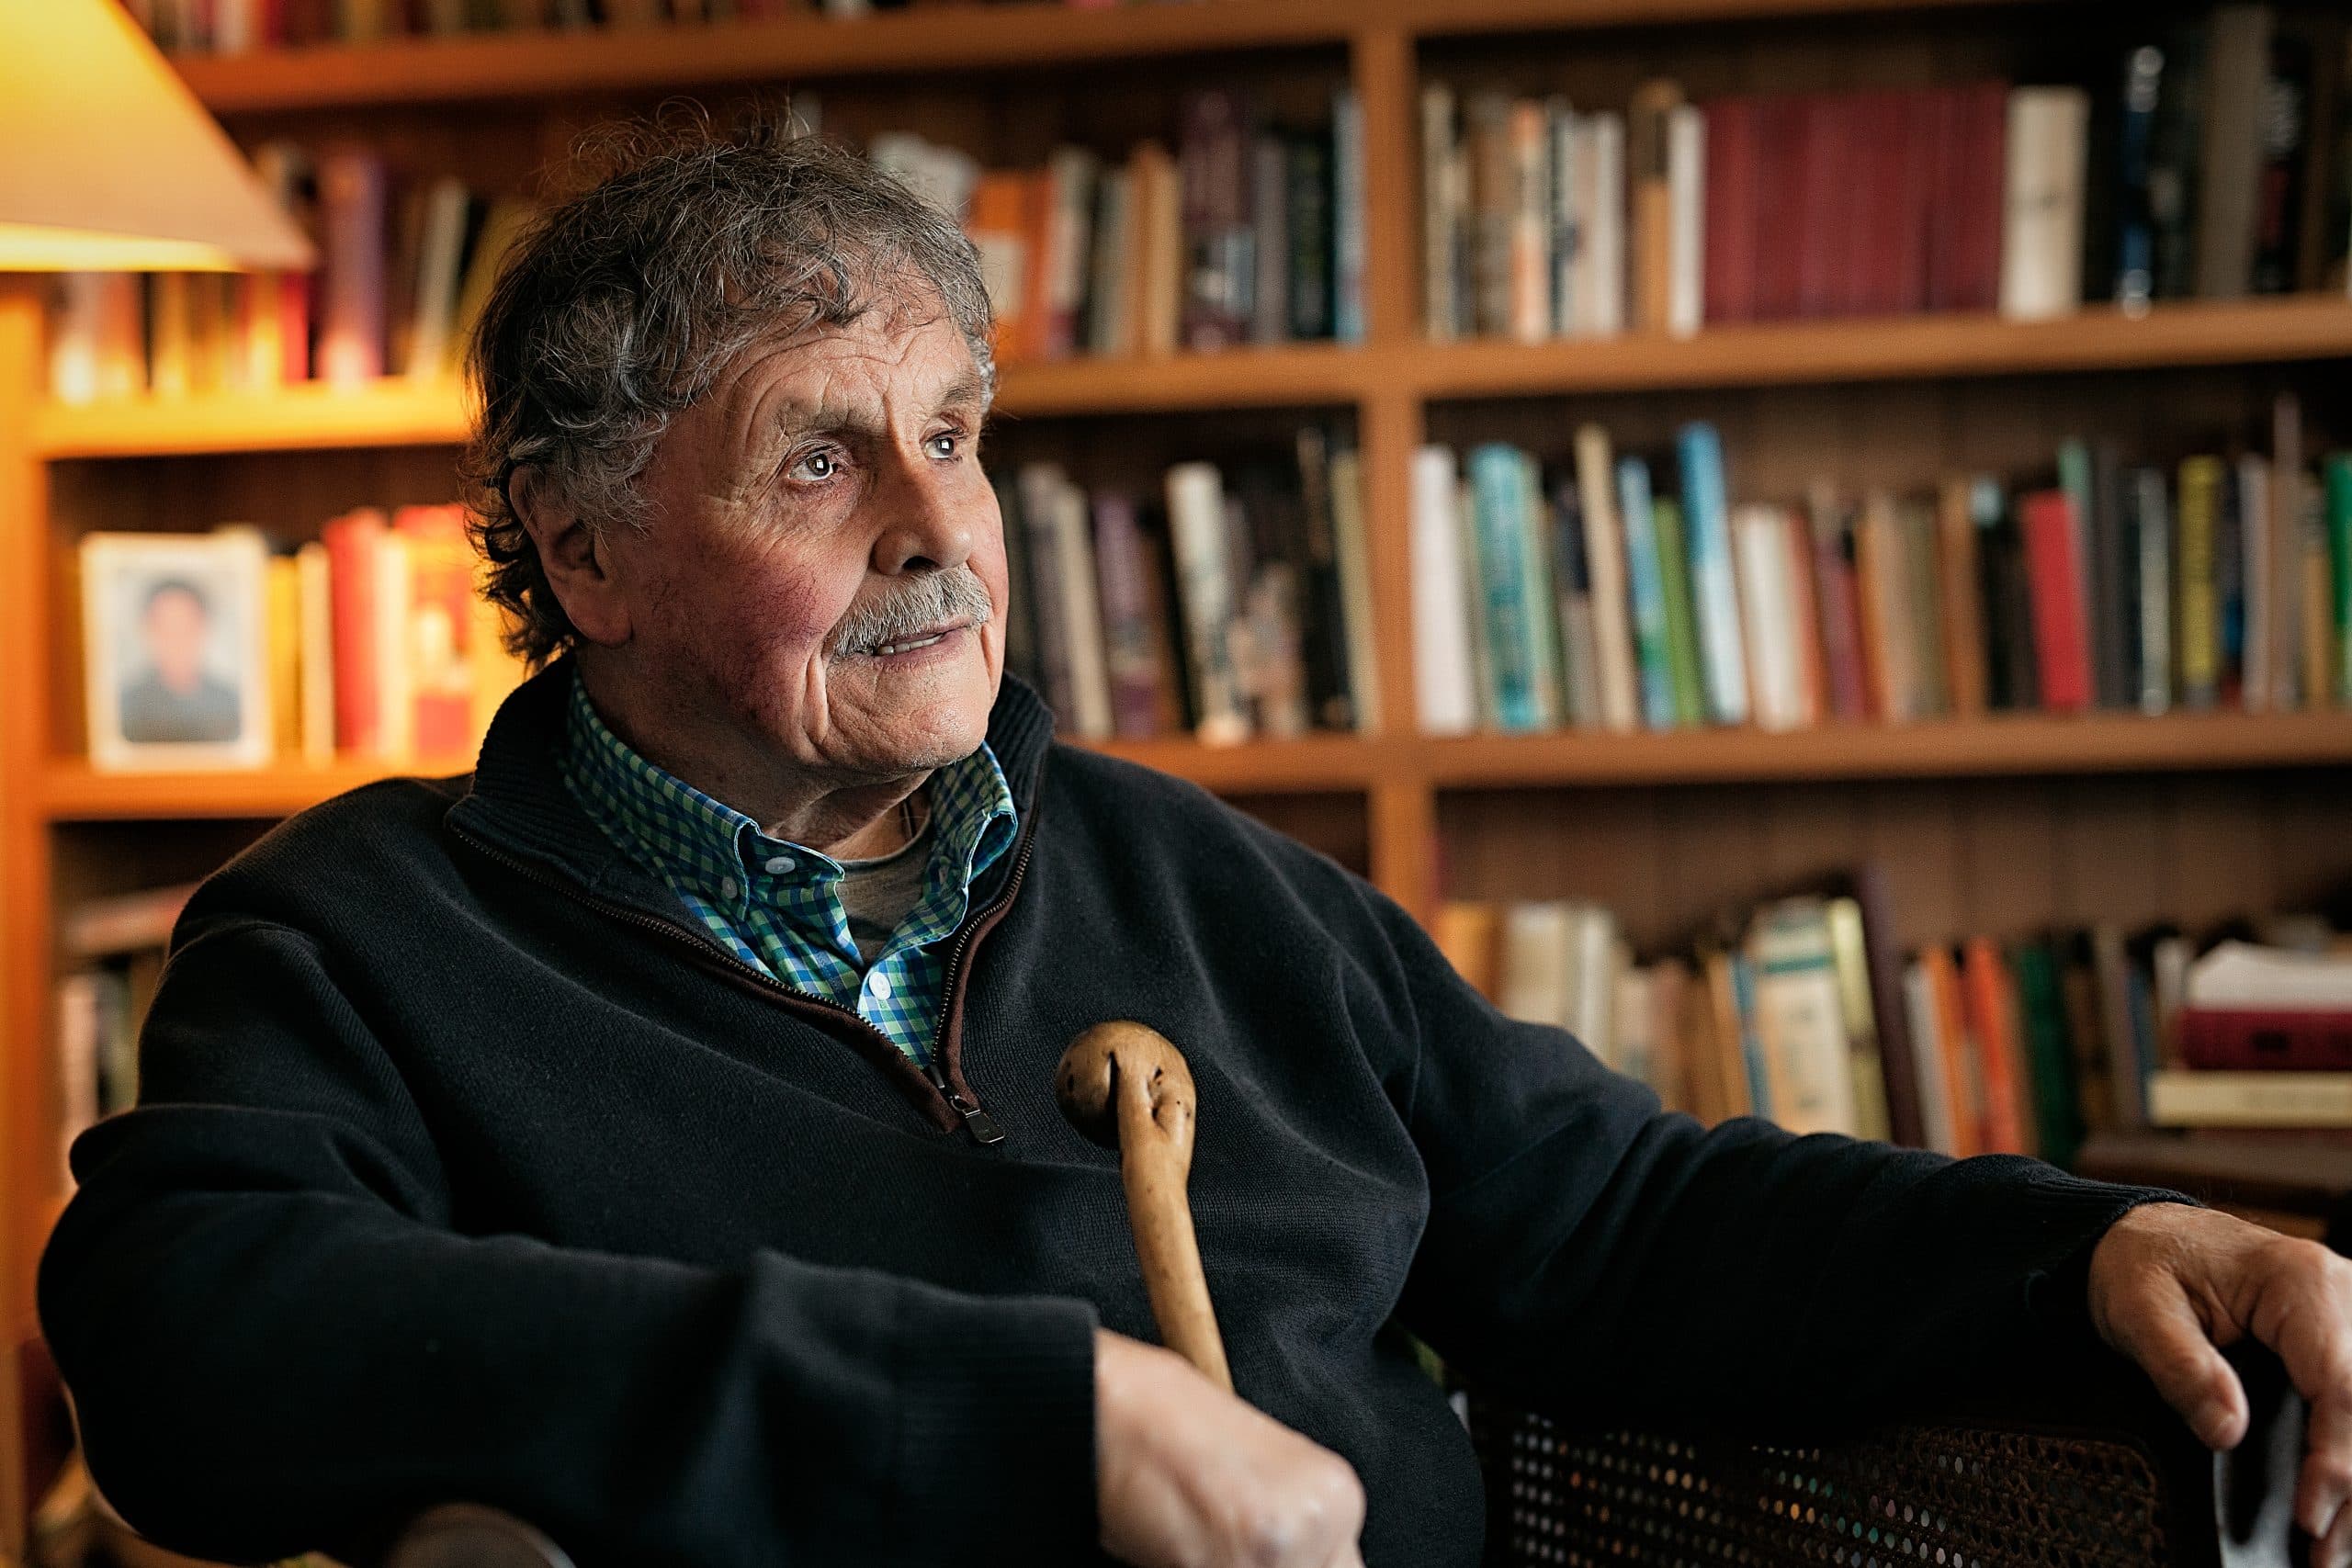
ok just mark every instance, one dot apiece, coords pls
pixel 620 306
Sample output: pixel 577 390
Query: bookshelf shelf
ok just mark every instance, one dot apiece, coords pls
pixel 402 414
pixel 2189 332
pixel 932 38
pixel 2004 745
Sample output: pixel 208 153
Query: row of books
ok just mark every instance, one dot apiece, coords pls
pixel 405 268
pixel 2198 172
pixel 370 641
pixel 1618 593
pixel 1246 233
pixel 111 954
pixel 240 27
pixel 1225 607
pixel 1801 1010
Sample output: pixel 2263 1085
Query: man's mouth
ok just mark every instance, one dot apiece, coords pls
pixel 918 639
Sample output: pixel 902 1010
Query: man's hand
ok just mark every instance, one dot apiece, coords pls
pixel 2170 1283
pixel 1190 1477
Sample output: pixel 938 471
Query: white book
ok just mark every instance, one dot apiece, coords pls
pixel 1069 230
pixel 1438 211
pixel 1536 963
pixel 2245 977
pixel 1605 224
pixel 1444 676
pixel 1604 550
pixel 1936 1124
pixel 1801 1018
pixel 1686 184
pixel 2041 229
pixel 1595 956
pixel 1760 533
pixel 1205 591
pixel 314 658
pixel 1089 667
pixel 440 261
pixel 2250 1099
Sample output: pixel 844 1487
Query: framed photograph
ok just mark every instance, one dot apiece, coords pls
pixel 175 635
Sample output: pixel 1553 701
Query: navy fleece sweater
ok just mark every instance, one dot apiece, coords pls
pixel 464 1169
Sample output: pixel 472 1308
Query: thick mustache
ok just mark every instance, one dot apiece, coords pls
pixel 925 603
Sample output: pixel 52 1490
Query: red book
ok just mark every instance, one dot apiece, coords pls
pixel 1983 153
pixel 2055 566
pixel 1838 603
pixel 1916 114
pixel 351 595
pixel 2000 1068
pixel 2229 1041
pixel 1732 193
pixel 441 626
pixel 1827 206
pixel 1780 136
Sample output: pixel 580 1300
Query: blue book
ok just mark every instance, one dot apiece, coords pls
pixel 1347 217
pixel 1706 517
pixel 1500 528
pixel 1652 653
pixel 1751 1044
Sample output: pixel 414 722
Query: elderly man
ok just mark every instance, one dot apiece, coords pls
pixel 651 1134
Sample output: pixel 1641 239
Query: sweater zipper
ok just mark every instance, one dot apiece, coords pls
pixel 975 1118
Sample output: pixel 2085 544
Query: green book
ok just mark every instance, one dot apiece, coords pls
pixel 2339 549
pixel 1683 669
pixel 2048 1051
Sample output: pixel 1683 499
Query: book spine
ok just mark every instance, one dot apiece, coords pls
pixel 1127 614
pixel 2154 515
pixel 351 555
pixel 1204 587
pixel 1041 485
pixel 351 329
pixel 1522 703
pixel 1605 559
pixel 2234 1040
pixel 1730 213
pixel 1347 217
pixel 1963 620
pixel 1562 239
pixel 1686 173
pixel 1529 250
pixel 2237 64
pixel 2339 533
pixel 1354 550
pixel 1683 659
pixel 1706 510
pixel 2042 234
pixel 1761 535
pixel 1653 642
pixel 2199 644
pixel 1438 214
pixel 2061 649
pixel 1838 600
pixel 2134 262
pixel 1607 226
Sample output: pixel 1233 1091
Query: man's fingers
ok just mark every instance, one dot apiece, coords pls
pixel 2334 1549
pixel 2168 1341
pixel 2324 1486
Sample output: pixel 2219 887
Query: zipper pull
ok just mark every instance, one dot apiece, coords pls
pixel 976 1120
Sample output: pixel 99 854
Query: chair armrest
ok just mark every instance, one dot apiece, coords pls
pixel 2080 1465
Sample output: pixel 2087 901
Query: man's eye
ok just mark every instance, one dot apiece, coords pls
pixel 943 445
pixel 817 465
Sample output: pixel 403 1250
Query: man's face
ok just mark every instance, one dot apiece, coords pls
pixel 823 570
pixel 176 627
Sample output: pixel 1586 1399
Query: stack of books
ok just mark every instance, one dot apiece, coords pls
pixel 406 266
pixel 240 27
pixel 371 642
pixel 1246 233
pixel 1226 607
pixel 2192 168
pixel 2264 1039
pixel 1620 592
pixel 1803 1012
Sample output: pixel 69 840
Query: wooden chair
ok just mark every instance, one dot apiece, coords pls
pixel 2086 1469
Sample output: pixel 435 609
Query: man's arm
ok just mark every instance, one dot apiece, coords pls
pixel 1588 1253
pixel 276 1341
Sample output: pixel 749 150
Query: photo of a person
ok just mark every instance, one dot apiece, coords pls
pixel 173 697
pixel 174 638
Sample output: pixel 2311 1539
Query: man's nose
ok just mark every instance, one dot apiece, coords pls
pixel 923 524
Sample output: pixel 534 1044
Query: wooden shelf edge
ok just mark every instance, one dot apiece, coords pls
pixel 932 38
pixel 2293 1175
pixel 2184 332
pixel 395 412
pixel 1997 745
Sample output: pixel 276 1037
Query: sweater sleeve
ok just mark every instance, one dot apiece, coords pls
pixel 276 1340
pixel 1588 1253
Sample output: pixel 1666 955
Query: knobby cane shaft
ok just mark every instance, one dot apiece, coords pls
pixel 1127 1087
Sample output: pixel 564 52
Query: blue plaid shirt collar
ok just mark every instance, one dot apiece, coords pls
pixel 714 856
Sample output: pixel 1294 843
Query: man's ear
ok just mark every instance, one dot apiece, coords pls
pixel 575 557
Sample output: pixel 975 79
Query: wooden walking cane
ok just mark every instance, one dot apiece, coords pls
pixel 1127 1088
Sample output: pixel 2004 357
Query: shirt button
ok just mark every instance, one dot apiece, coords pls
pixel 879 984
pixel 726 888
pixel 779 865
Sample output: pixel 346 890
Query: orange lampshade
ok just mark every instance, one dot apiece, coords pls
pixel 107 162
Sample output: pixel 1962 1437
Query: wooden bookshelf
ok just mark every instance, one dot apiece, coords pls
pixel 2003 823
pixel 399 412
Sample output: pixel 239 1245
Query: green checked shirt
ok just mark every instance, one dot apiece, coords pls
pixel 776 905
